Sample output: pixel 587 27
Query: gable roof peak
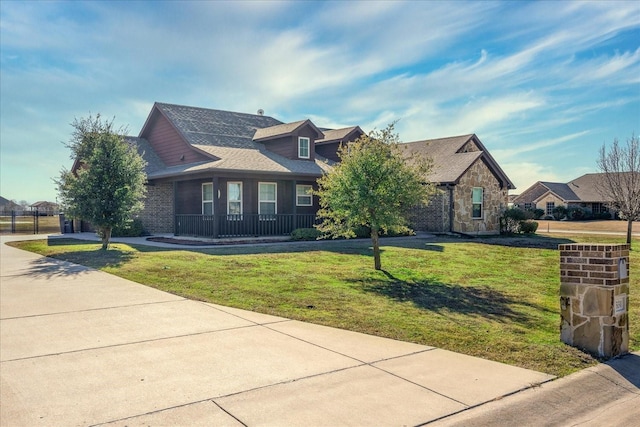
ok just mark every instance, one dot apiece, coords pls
pixel 339 135
pixel 284 129
pixel 452 161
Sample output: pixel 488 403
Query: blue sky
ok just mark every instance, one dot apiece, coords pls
pixel 543 84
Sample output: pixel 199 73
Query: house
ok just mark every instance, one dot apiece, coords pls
pixel 44 207
pixel 582 192
pixel 6 205
pixel 473 188
pixel 220 173
pixel 215 173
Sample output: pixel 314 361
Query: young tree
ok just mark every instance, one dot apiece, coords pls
pixel 620 166
pixel 374 186
pixel 106 186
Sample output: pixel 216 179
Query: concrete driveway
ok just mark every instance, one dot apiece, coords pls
pixel 82 347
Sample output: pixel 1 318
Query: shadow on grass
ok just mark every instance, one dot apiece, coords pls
pixel 524 241
pixel 437 296
pixel 72 263
pixel 345 246
pixel 363 246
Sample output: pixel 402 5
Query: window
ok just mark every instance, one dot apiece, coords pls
pixel 477 196
pixel 267 200
pixel 550 207
pixel 303 147
pixel 303 195
pixel 234 200
pixel 528 206
pixel 598 208
pixel 207 199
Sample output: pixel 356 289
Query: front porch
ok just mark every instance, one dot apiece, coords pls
pixel 245 225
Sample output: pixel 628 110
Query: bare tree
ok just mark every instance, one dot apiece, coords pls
pixel 620 184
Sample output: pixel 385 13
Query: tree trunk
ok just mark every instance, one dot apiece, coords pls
pixel 376 249
pixel 629 226
pixel 106 237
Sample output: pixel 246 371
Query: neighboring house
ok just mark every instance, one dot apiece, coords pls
pixel 473 189
pixel 581 192
pixel 45 208
pixel 6 205
pixel 214 173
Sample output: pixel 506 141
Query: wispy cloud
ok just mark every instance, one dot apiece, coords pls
pixel 528 77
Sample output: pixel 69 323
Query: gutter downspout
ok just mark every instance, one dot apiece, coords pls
pixel 450 208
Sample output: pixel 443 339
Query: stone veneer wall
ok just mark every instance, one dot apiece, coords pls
pixel 157 215
pixel 495 200
pixel 594 298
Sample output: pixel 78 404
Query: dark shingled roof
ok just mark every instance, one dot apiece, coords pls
pixel 586 187
pixel 228 138
pixel 449 162
pixel 7 204
pixel 283 130
pixel 561 190
pixel 143 147
pixel 203 126
pixel 338 135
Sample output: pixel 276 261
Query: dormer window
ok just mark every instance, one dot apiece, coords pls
pixel 303 147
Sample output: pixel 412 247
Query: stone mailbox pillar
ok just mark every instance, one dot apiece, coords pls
pixel 594 303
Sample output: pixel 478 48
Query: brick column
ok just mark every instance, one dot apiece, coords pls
pixel 594 303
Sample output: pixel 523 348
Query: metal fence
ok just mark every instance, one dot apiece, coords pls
pixel 246 225
pixel 28 222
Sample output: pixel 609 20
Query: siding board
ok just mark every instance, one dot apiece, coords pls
pixel 170 146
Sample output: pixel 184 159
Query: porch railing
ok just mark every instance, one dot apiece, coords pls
pixel 245 225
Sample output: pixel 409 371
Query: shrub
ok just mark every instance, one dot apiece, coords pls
pixel 132 228
pixel 559 212
pixel 363 232
pixel 578 213
pixel 510 220
pixel 537 213
pixel 399 232
pixel 305 234
pixel 528 227
pixel 516 220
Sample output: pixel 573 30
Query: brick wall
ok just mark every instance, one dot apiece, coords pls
pixel 157 215
pixel 434 216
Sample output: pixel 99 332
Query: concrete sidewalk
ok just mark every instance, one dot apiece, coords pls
pixel 82 347
pixel 604 395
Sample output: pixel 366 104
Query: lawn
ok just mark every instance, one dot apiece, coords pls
pixel 495 298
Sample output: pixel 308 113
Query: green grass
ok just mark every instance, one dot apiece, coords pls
pixel 495 298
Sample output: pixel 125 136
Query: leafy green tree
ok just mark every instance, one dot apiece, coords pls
pixel 106 184
pixel 375 185
pixel 620 166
